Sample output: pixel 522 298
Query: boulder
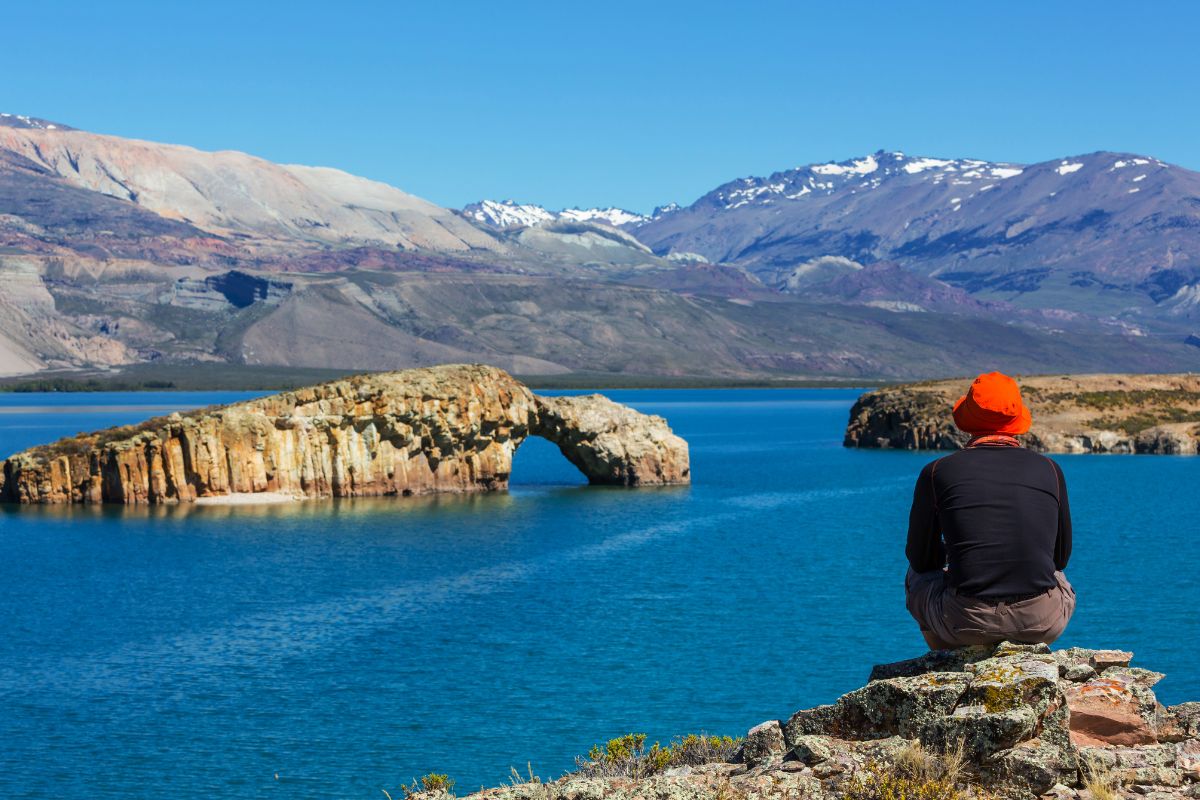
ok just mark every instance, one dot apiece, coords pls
pixel 1112 709
pixel 883 708
pixel 981 732
pixel 1186 719
pixel 1187 758
pixel 933 661
pixel 1147 765
pixel 764 744
pixel 1020 680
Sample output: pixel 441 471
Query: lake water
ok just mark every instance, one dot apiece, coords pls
pixel 333 649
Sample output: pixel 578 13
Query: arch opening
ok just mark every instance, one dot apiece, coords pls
pixel 538 462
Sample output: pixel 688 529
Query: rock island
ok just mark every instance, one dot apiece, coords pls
pixel 450 428
pixel 1071 414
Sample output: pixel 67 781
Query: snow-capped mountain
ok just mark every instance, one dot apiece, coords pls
pixel 1103 230
pixel 36 123
pixel 511 214
pixel 857 175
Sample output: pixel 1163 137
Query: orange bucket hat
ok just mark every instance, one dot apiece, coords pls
pixel 992 405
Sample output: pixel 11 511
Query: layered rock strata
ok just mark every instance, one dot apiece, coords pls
pixel 440 429
pixel 1009 721
pixel 1071 414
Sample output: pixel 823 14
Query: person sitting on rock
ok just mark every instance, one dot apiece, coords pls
pixel 989 534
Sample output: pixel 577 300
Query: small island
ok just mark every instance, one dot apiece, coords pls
pixel 1111 413
pixel 450 428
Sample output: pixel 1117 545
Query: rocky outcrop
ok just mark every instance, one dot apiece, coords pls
pixel 612 443
pixel 1071 414
pixel 439 429
pixel 1009 721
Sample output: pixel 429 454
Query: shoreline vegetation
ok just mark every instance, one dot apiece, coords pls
pixel 233 377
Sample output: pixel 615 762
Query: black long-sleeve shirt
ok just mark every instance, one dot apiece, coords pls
pixel 997 515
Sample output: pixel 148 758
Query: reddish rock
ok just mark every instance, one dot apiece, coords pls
pixel 1112 710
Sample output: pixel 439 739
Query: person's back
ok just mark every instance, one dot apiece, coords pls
pixel 990 532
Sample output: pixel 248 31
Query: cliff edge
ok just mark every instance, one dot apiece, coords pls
pixel 451 428
pixel 1071 414
pixel 1004 721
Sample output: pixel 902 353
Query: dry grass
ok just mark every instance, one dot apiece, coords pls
pixel 1099 780
pixel 915 774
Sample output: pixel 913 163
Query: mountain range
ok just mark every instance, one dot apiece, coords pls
pixel 116 251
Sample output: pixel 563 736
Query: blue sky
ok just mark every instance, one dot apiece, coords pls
pixel 611 103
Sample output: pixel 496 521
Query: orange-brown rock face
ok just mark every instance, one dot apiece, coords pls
pixel 441 429
pixel 612 443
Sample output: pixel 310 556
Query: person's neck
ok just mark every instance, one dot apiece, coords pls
pixel 994 440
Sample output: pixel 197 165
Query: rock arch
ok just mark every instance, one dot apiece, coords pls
pixel 453 428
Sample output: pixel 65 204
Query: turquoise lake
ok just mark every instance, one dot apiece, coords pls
pixel 334 649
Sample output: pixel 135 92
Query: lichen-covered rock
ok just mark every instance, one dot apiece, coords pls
pixel 1079 673
pixel 764 743
pixel 1186 718
pixel 1187 758
pixel 981 732
pixel 1020 680
pixel 883 708
pixel 1029 768
pixel 1152 764
pixel 933 661
pixel 441 429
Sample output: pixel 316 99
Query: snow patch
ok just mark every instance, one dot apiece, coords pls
pixel 922 164
pixel 863 166
pixel 610 216
pixel 1066 169
pixel 510 214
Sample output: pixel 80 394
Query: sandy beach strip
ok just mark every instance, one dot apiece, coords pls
pixel 247 499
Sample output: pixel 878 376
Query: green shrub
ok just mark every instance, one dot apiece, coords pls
pixel 627 756
pixel 433 782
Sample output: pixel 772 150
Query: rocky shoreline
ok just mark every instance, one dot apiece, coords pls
pixel 1009 721
pixel 451 428
pixel 1154 414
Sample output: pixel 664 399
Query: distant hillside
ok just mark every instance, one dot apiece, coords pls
pixel 116 253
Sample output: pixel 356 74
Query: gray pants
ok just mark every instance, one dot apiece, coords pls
pixel 948 619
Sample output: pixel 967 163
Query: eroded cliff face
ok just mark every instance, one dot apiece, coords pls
pixel 612 443
pixel 1071 414
pixel 440 429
